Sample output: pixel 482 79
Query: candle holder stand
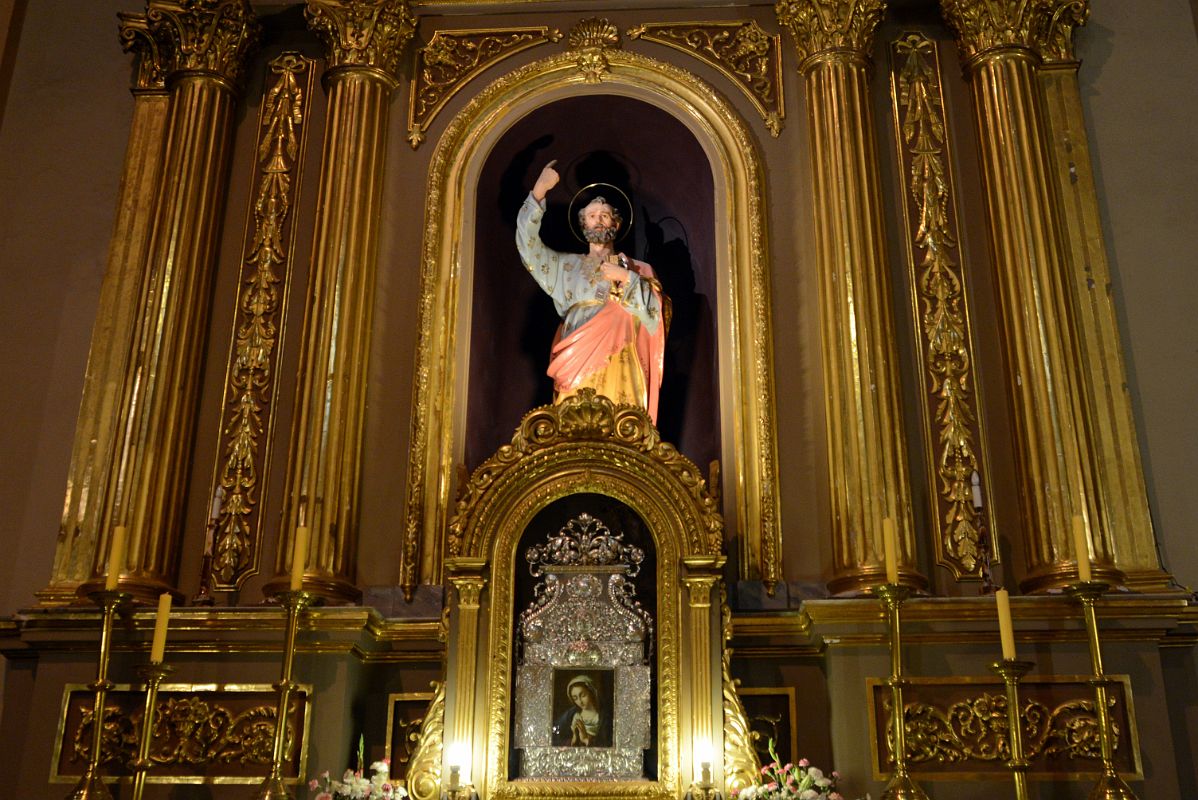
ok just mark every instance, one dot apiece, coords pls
pixel 456 790
pixel 91 783
pixel 1011 671
pixel 273 788
pixel 153 674
pixel 704 788
pixel 1110 786
pixel 901 786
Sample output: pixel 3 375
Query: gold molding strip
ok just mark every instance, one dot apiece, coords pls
pixel 204 733
pixel 256 341
pixel 451 59
pixel 957 727
pixel 952 425
pixel 739 49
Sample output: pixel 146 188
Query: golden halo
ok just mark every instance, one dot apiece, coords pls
pixel 572 211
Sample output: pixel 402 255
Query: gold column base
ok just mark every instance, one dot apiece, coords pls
pixel 273 789
pixel 90 787
pixel 1112 787
pixel 903 787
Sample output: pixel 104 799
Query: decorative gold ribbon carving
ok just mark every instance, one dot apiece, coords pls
pixel 954 423
pixel 819 26
pixel 205 35
pixel 1045 26
pixel 739 49
pixel 254 351
pixel 590 38
pixel 741 765
pixel 452 59
pixel 424 768
pixel 363 33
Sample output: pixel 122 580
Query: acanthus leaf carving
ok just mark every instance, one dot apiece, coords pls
pixel 424 768
pixel 823 26
pixel 150 64
pixel 363 33
pixel 1042 26
pixel 215 36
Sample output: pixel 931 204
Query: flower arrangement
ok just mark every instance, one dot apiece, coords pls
pixel 799 781
pixel 354 785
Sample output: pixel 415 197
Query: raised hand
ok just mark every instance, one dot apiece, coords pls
pixel 545 181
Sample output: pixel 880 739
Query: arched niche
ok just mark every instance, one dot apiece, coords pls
pixel 747 438
pixel 585 446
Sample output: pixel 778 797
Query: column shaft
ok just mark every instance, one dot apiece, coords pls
pixel 1056 473
pixel 866 445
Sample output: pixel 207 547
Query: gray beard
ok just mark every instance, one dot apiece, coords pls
pixel 599 235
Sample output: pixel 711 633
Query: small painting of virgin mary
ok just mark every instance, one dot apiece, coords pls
pixel 582 708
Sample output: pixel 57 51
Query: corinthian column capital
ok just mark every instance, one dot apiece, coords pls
pixel 363 33
pixel 150 61
pixel 822 26
pixel 1042 26
pixel 213 36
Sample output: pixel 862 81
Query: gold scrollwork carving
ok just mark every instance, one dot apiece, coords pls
pixel 189 732
pixel 135 37
pixel 976 729
pixel 739 49
pixel 424 768
pixel 589 417
pixel 254 351
pixel 953 424
pixel 205 35
pixel 1045 26
pixel 741 764
pixel 589 39
pixel 363 33
pixel 452 59
pixel 822 26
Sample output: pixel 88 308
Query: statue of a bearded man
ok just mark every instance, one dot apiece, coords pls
pixel 613 331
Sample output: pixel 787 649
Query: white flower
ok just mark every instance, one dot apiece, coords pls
pixel 808 794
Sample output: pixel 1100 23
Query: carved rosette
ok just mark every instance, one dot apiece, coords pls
pixel 363 33
pixel 135 37
pixel 590 418
pixel 1043 26
pixel 952 422
pixel 589 40
pixel 452 59
pixel 828 26
pixel 214 36
pixel 740 50
pixel 254 352
pixel 424 768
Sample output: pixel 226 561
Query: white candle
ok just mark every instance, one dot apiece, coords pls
pixel 299 558
pixel 116 557
pixel 455 773
pixel 1081 548
pixel 975 481
pixel 158 648
pixel 1006 630
pixel 218 500
pixel 890 546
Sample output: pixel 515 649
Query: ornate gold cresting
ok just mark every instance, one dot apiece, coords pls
pixel 741 51
pixel 363 41
pixel 866 444
pixel 586 444
pixel 590 40
pixel 248 411
pixel 451 59
pixel 93 452
pixel 204 44
pixel 952 424
pixel 1001 42
pixel 1118 470
pixel 424 768
pixel 741 764
pixel 746 362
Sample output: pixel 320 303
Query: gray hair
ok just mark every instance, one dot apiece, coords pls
pixel 615 212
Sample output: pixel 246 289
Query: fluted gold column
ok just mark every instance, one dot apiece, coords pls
pixel 363 41
pixel 1001 42
pixel 204 44
pixel 701 577
pixel 103 384
pixel 467 578
pixel 1119 473
pixel 866 445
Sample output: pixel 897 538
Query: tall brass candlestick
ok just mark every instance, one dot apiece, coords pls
pixel 1110 786
pixel 1011 671
pixel 273 787
pixel 902 786
pixel 153 675
pixel 91 784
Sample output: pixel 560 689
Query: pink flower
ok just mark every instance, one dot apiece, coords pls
pixel 835 796
pixel 804 763
pixel 324 796
pixel 788 767
pixel 765 770
pixel 314 784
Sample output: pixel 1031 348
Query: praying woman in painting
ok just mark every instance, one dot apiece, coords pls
pixel 586 723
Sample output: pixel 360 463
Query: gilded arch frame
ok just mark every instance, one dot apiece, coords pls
pixel 748 435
